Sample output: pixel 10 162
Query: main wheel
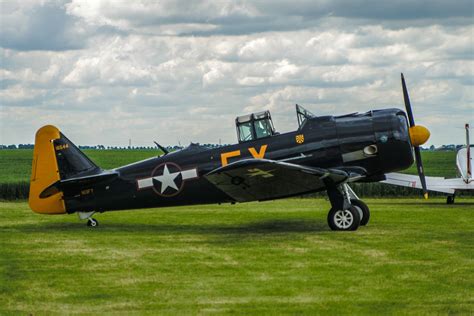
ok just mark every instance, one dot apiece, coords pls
pixel 92 222
pixel 450 199
pixel 344 219
pixel 363 209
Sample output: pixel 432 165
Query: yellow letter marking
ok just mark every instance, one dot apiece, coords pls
pixel 227 155
pixel 260 154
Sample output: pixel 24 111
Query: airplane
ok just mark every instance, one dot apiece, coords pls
pixel 325 153
pixel 441 184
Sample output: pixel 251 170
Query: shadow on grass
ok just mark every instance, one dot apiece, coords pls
pixel 422 202
pixel 261 227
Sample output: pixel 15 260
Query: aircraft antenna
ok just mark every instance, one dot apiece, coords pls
pixel 163 149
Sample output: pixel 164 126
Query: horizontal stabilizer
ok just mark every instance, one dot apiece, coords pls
pixel 78 182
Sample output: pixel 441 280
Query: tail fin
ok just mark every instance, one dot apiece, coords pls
pixel 55 158
pixel 468 153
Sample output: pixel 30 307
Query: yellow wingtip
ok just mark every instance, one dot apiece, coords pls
pixel 426 195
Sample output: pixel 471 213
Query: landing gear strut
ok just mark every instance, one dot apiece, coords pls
pixel 347 211
pixel 363 209
pixel 91 222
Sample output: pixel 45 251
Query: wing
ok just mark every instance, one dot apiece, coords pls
pixel 437 184
pixel 263 179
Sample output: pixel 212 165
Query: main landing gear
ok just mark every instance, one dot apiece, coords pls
pixel 91 222
pixel 347 211
pixel 450 199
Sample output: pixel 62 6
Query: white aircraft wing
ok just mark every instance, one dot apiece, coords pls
pixel 438 184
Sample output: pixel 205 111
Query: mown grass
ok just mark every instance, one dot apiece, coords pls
pixel 415 257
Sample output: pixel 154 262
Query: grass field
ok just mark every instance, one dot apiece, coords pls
pixel 415 257
pixel 15 165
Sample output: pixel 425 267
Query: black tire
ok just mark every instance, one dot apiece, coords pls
pixel 92 222
pixel 450 199
pixel 344 220
pixel 364 210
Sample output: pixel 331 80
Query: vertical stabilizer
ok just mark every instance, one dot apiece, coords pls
pixel 464 159
pixel 55 158
pixel 468 154
pixel 44 172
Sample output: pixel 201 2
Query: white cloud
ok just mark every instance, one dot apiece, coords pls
pixel 114 63
pixel 182 71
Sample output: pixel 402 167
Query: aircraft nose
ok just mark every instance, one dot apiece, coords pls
pixel 419 135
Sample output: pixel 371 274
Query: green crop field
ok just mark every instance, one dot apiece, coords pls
pixel 437 164
pixel 15 165
pixel 415 257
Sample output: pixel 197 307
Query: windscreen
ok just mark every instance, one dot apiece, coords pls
pixel 245 131
pixel 262 128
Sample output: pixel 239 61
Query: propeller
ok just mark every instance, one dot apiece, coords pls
pixel 418 136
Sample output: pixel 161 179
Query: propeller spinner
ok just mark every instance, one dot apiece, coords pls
pixel 418 136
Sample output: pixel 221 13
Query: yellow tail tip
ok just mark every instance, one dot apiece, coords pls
pixel 426 195
pixel 44 172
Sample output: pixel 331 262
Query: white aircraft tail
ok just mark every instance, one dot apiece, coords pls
pixel 464 159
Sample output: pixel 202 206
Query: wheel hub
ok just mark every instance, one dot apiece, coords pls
pixel 343 219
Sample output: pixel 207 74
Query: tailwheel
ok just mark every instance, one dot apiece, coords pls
pixel 344 220
pixel 91 222
pixel 363 210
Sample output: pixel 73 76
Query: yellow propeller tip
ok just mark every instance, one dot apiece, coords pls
pixel 426 195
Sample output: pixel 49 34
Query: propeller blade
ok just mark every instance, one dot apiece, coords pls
pixel 411 120
pixel 421 173
pixel 406 98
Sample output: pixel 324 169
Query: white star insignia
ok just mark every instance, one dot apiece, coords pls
pixel 167 179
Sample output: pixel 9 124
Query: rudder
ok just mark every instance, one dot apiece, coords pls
pixel 55 158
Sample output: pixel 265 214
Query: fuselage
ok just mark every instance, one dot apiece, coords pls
pixel 375 143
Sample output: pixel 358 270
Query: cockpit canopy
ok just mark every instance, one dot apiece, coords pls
pixel 259 125
pixel 254 126
pixel 302 114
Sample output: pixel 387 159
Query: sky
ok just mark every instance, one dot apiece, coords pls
pixel 176 71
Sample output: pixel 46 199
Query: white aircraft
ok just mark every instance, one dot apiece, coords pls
pixel 440 184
